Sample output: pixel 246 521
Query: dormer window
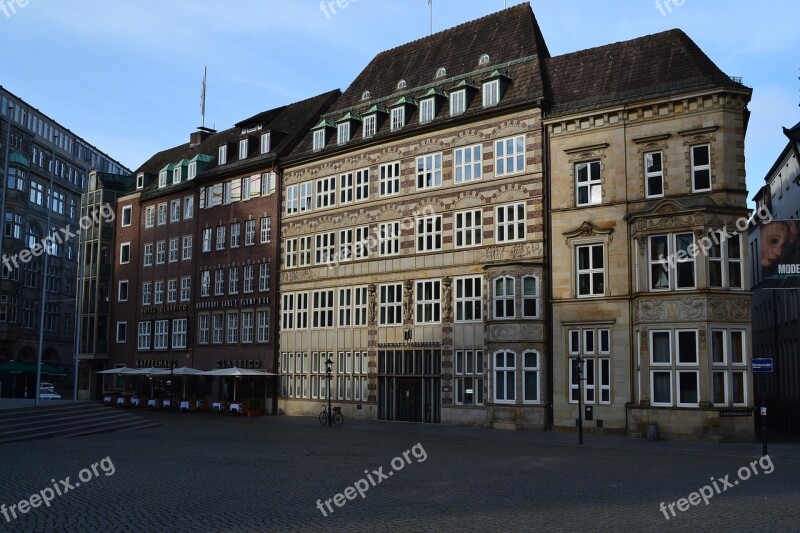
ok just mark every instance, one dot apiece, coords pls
pixel 398 118
pixel 243 144
pixel 366 95
pixel 343 133
pixel 192 171
pixel 370 126
pixel 493 87
pixel 162 179
pixel 140 181
pixel 176 175
pixel 223 155
pixel 401 84
pixel 319 139
pixel 427 110
pixel 265 143
pixel 441 72
pixel 458 102
pixel 491 93
pixel 484 59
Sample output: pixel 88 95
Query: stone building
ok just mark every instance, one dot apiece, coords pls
pixel 645 143
pixel 446 290
pixel 413 236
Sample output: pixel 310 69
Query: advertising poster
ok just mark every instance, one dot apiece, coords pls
pixel 779 255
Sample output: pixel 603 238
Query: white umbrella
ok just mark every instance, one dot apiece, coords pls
pixel 182 371
pixel 237 372
pixel 118 370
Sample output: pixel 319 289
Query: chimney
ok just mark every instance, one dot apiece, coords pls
pixel 196 137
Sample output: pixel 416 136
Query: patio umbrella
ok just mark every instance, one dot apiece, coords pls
pixel 237 372
pixel 149 371
pixel 182 371
pixel 120 370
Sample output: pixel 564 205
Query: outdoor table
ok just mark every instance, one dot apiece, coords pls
pixel 151 403
pixel 217 406
pixel 135 402
pixel 184 406
pixel 121 400
pixel 107 400
pixel 166 404
pixel 236 408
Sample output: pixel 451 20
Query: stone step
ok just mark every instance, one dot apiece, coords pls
pixel 85 418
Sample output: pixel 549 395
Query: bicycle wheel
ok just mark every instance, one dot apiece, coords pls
pixel 323 418
pixel 338 419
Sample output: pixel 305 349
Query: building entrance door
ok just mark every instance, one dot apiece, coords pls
pixel 409 383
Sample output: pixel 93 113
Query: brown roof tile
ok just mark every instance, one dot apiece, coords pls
pixel 658 64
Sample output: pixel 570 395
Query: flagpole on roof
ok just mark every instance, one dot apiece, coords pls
pixel 203 98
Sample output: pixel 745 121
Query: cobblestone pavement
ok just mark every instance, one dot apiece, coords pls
pixel 219 473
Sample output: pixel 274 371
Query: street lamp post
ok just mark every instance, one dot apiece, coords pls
pixel 577 370
pixel 328 371
pixel 172 364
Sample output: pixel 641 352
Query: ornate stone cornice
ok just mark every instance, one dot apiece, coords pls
pixel 587 229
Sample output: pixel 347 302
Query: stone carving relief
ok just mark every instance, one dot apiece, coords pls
pixel 587 229
pixel 447 298
pixel 407 304
pixel 518 251
pixel 373 303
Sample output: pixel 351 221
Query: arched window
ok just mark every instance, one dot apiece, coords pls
pixel 366 95
pixel 505 376
pixel 484 59
pixel 401 84
pixel 504 298
pixel 530 297
pixel 441 72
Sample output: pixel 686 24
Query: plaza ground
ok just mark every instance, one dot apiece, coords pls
pixel 202 472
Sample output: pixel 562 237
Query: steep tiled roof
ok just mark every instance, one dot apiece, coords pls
pixel 659 64
pixel 287 124
pixel 505 35
pixel 511 39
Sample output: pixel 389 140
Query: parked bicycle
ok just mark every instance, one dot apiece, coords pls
pixel 337 419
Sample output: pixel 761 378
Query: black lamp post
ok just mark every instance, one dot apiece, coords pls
pixel 577 370
pixel 172 364
pixel 793 134
pixel 328 371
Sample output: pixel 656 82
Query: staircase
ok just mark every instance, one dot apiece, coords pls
pixel 66 420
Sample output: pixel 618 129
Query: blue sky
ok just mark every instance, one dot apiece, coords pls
pixel 126 74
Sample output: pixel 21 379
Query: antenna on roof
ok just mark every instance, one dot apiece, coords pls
pixel 430 3
pixel 203 98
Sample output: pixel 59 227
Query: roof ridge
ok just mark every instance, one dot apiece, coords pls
pixel 453 29
pixel 676 31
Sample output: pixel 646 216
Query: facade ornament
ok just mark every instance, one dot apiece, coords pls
pixel 447 298
pixel 407 300
pixel 373 303
pixel 587 229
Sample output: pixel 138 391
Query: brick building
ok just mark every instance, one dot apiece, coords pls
pixel 195 277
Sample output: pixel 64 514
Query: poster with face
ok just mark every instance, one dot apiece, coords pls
pixel 779 254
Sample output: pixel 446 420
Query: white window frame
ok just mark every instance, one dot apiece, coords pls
pixel 389 238
pixel 509 155
pixel 535 297
pixel 342 133
pixel 491 93
pixel 222 154
pixel 390 304
pixel 719 254
pixel 510 225
pixel 591 271
pixel 653 172
pixel 468 163
pixel 468 299
pixel 531 369
pixel 326 192
pixel 179 330
pixel 127 216
pixel 502 301
pixel 507 373
pixel 370 126
pixel 397 118
pixel 266 144
pixel 390 179
pixel 318 142
pixel 427 110
pixel 429 234
pixel 671 263
pixel 697 168
pixel 589 180
pixel 458 102
pixel 125 250
pixel 429 171
pixel 428 301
